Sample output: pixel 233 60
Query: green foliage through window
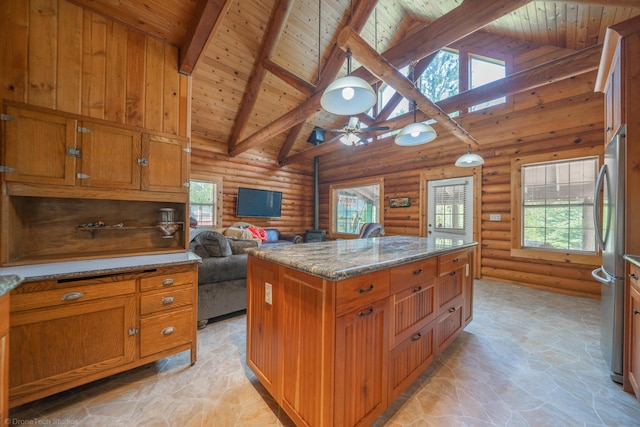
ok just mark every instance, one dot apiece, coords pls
pixel 202 199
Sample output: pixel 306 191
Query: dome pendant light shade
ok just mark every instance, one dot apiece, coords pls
pixel 469 160
pixel 415 133
pixel 348 95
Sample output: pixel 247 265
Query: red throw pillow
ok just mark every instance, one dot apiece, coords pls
pixel 258 233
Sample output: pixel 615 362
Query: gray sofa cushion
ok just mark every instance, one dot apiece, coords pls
pixel 214 243
pixel 214 269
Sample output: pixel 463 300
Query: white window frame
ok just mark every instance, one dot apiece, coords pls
pixel 217 204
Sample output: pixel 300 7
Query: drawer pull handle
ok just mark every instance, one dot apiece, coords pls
pixel 417 289
pixel 168 331
pixel 72 296
pixel 416 337
pixel 455 260
pixel 364 291
pixel 415 273
pixel 453 273
pixel 168 300
pixel 168 282
pixel 634 276
pixel 452 309
pixel 636 311
pixel 366 313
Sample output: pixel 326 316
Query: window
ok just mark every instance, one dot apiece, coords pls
pixel 354 204
pixel 554 206
pixel 483 70
pixel 203 202
pixel 449 208
pixel 441 78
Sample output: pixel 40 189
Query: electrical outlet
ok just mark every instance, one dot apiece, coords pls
pixel 495 217
pixel 268 293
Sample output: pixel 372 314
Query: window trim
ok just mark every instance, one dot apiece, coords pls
pixel 517 251
pixel 333 234
pixel 217 181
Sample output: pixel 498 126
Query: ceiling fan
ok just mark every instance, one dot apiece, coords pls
pixel 351 132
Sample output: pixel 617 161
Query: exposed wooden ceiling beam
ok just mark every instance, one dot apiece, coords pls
pixel 207 16
pixel 358 18
pixel 470 16
pixel 288 77
pixel 272 34
pixel 382 68
pixel 613 3
pixel 583 61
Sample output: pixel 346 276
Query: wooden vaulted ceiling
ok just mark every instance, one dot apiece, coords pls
pixel 258 67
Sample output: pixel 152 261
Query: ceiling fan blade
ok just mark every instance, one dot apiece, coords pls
pixel 371 129
pixel 363 140
pixel 335 138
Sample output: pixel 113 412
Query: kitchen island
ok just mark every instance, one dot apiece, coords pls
pixel 337 330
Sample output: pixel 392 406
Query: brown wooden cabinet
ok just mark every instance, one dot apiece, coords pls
pixel 339 352
pixel 632 323
pixel 71 331
pixel 50 147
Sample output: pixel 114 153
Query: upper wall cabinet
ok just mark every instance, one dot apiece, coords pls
pixel 48 147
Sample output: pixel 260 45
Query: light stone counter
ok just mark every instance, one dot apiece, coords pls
pixel 341 259
pixel 9 282
pixel 92 267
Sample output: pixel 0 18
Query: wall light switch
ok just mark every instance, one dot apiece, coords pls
pixel 268 293
pixel 495 217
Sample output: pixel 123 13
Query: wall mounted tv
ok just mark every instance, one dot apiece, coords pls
pixel 259 203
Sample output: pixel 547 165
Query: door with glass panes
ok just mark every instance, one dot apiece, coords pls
pixel 450 208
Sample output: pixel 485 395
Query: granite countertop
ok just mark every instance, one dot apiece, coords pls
pixel 68 269
pixel 633 259
pixel 341 259
pixel 9 282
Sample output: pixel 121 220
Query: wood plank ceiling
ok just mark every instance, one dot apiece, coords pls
pixel 256 65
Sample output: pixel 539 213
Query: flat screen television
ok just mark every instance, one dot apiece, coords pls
pixel 259 203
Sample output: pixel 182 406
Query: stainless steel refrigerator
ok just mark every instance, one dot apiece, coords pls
pixel 610 237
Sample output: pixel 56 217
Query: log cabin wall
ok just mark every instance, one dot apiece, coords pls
pixel 210 161
pixel 565 115
pixel 61 56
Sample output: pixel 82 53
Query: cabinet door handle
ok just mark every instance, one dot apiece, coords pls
pixel 168 300
pixel 633 276
pixel 417 289
pixel 453 273
pixel 364 291
pixel 168 331
pixel 415 273
pixel 70 296
pixel 636 311
pixel 167 282
pixel 455 260
pixel 452 309
pixel 366 313
pixel 416 337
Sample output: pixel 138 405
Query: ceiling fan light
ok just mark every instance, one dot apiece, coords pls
pixel 347 96
pixel 350 139
pixel 415 134
pixel 469 160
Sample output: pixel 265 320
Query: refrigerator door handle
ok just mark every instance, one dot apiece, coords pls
pixel 596 207
pixel 605 280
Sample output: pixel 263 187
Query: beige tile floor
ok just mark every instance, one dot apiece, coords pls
pixel 529 358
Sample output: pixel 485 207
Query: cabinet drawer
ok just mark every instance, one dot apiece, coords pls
pixel 358 291
pixel 408 275
pixel 70 295
pixel 409 359
pixel 450 290
pixel 449 262
pixel 634 277
pixel 165 281
pixel 165 331
pixel 168 300
pixel 449 326
pixel 412 308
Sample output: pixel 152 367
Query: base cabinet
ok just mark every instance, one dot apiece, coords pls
pixel 633 334
pixel 68 332
pixel 337 353
pixel 4 359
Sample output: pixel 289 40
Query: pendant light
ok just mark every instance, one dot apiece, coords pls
pixel 348 95
pixel 469 160
pixel 415 133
